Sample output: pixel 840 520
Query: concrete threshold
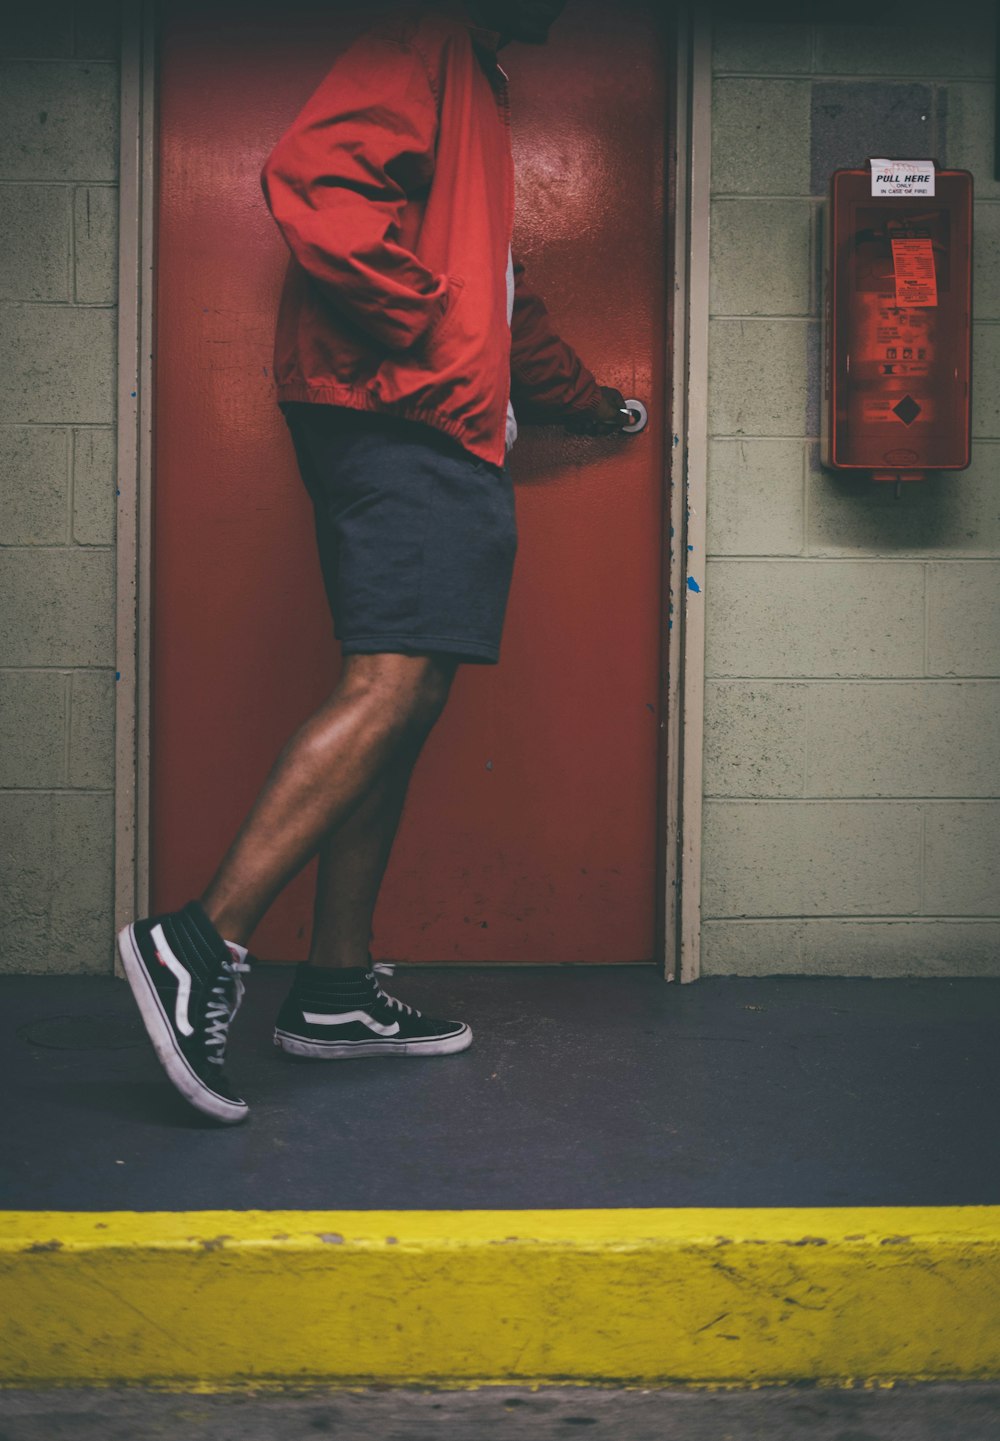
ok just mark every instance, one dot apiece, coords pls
pixel 709 1296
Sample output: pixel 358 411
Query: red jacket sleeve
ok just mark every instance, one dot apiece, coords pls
pixel 549 381
pixel 337 181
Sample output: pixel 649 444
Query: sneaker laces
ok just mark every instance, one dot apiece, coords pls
pixel 380 968
pixel 224 1001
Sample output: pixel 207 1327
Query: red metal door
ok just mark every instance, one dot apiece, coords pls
pixel 530 832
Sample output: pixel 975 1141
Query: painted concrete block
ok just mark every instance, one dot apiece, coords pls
pixel 962 858
pixel 57 608
pixel 903 738
pixel 34 485
pixel 758 377
pixel 954 512
pixel 751 948
pixel 759 130
pixel 802 858
pixel 33 728
pixel 56 879
pixel 902 948
pixel 58 120
pixel 771 49
pixel 851 120
pixel 924 41
pixel 755 735
pixel 760 257
pixel 95 244
pixel 98 30
pixel 814 618
pixel 754 497
pixel 92 729
pixel 38 31
pixel 963 618
pixel 986 261
pixel 986 381
pixel 94 480
pixel 59 365
pixel 878 948
pixel 34 242
pixel 814 376
pixel 970 135
pixel 25 880
pixel 81 926
pixel 851 948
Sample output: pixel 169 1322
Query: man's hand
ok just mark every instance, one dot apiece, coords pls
pixel 608 417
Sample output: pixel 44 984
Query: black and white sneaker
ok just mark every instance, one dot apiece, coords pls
pixel 336 1014
pixel 187 983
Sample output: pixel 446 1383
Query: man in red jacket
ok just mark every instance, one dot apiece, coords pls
pixel 407 348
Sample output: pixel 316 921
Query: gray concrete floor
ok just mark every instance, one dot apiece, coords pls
pixel 586 1086
pixel 904 1413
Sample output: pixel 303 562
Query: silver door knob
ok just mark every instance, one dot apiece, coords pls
pixel 635 415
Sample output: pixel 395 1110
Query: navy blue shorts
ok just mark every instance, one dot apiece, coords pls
pixel 416 536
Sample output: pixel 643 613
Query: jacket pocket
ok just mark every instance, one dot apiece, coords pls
pixel 425 376
pixel 440 331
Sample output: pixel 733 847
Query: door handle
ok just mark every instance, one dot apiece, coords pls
pixel 636 416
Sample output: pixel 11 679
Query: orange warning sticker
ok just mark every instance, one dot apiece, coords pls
pixel 913 264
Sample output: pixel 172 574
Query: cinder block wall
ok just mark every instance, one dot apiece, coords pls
pixel 58 256
pixel 853 639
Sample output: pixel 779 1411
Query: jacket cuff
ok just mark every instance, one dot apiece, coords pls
pixel 588 402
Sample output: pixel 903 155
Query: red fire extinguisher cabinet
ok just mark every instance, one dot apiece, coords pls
pixel 898 318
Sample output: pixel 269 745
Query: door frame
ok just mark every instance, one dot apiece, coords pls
pixel 134 530
pixel 685 474
pixel 685 551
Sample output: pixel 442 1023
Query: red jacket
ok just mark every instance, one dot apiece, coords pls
pixel 394 189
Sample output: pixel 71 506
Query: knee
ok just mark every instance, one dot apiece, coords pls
pixel 428 695
pixel 406 693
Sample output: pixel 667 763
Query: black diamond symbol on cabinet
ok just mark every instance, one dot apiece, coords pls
pixel 907 410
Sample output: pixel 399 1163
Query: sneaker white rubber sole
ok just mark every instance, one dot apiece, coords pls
pixel 160 1032
pixel 346 1050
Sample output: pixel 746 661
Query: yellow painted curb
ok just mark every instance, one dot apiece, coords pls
pixel 220 1298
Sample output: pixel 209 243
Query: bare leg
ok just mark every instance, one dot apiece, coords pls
pixel 352 862
pixel 381 708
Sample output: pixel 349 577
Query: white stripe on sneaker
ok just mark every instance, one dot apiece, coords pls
pixel 343 1018
pixel 177 968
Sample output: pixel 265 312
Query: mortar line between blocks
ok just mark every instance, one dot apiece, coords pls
pixel 71 489
pixel 933 918
pixel 111 305
pixel 895 800
pixel 74 62
pixel 71 288
pixel 853 77
pixel 68 544
pixel 57 790
pixel 55 184
pixel 879 680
